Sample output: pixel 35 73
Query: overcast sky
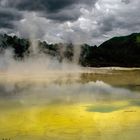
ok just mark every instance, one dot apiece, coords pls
pixel 78 21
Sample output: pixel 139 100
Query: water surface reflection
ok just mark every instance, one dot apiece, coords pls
pixel 102 105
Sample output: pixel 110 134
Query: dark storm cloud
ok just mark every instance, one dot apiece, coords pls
pixel 8 17
pixel 55 9
pixel 45 5
pixel 65 15
pixel 88 21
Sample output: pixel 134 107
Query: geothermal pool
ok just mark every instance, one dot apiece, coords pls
pixel 98 104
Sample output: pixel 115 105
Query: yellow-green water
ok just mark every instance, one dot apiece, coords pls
pixel 83 106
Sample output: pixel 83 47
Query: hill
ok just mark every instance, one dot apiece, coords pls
pixel 119 51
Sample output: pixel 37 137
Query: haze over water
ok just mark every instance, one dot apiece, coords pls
pixel 100 104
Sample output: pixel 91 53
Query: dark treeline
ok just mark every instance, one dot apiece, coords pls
pixel 119 51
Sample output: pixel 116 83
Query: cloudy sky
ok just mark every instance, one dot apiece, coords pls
pixel 79 21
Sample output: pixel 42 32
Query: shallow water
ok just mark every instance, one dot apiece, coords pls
pixel 99 104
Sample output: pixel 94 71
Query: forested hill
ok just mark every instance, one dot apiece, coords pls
pixel 119 51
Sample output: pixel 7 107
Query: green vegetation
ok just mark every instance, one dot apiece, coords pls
pixel 118 51
pixel 138 39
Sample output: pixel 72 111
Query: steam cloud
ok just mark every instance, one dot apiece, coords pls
pixel 30 93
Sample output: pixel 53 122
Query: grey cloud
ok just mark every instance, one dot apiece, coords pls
pixel 88 21
pixel 126 1
pixel 107 24
pixel 127 19
pixel 65 15
pixel 113 21
pixel 41 5
pixel 8 16
pixel 46 5
pixel 54 9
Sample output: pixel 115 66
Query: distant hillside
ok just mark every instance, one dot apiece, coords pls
pixel 119 51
